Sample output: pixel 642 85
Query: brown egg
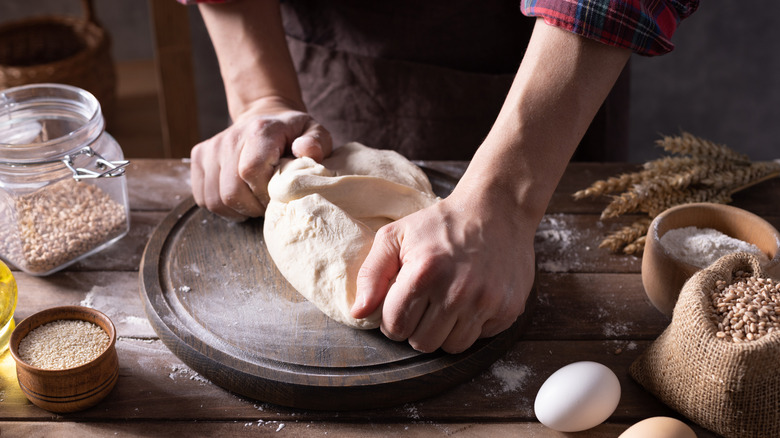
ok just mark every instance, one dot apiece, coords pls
pixel 659 427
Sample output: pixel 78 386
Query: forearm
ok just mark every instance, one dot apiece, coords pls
pixel 560 85
pixel 252 52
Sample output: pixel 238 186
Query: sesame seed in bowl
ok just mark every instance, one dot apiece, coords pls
pixel 65 357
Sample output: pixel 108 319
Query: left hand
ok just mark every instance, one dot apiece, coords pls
pixel 230 171
pixel 449 274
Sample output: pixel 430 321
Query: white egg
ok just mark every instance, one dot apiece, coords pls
pixel 577 397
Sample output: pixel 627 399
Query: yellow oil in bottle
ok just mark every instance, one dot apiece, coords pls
pixel 8 294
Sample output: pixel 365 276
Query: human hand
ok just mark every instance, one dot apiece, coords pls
pixel 230 171
pixel 449 274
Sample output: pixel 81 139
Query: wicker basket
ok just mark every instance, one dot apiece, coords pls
pixel 59 49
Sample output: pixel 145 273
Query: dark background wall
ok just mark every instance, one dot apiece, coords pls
pixel 721 82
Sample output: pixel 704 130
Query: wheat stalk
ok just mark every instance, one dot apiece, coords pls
pixel 654 207
pixel 688 144
pixel 636 247
pixel 613 184
pixel 618 240
pixel 741 177
pixel 698 171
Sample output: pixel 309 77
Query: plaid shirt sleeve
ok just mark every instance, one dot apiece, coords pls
pixel 644 26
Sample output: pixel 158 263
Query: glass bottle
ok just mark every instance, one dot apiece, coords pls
pixel 7 305
pixel 63 195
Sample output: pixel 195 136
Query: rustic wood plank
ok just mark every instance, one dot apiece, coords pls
pixel 297 428
pixel 155 385
pixel 569 243
pixel 569 306
pixel 760 199
pixel 594 306
pixel 113 293
pixel 591 306
pixel 148 367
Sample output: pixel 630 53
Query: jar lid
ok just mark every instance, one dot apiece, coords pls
pixel 50 123
pixel 41 122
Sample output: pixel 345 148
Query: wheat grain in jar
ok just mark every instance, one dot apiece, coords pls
pixel 63 194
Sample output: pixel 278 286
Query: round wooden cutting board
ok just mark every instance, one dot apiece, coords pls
pixel 217 301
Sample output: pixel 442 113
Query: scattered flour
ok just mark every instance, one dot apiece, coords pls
pixel 136 320
pixel 96 299
pixel 511 377
pixel 554 238
pixel 412 411
pixel 279 426
pixel 195 269
pixel 701 247
pixel 621 346
pixel 558 233
pixel 186 372
pixel 614 329
pixel 89 300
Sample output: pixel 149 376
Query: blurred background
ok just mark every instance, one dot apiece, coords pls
pixel 721 82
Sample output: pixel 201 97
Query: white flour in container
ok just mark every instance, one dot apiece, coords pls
pixel 702 246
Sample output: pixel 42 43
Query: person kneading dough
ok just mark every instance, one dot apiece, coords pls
pixel 322 218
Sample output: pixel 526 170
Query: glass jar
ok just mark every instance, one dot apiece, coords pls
pixel 7 305
pixel 63 195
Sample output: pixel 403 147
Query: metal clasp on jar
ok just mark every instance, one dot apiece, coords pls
pixel 105 168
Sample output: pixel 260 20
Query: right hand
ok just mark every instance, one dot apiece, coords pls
pixel 230 171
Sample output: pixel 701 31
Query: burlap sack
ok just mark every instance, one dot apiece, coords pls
pixel 730 388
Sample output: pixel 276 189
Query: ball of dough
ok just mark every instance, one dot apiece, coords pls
pixel 322 219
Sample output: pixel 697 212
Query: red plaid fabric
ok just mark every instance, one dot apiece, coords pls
pixel 644 26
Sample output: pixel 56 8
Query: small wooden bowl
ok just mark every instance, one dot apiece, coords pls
pixel 663 276
pixel 71 389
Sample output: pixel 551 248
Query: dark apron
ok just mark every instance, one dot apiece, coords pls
pixel 425 78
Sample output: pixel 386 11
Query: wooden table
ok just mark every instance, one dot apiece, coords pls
pixel 591 307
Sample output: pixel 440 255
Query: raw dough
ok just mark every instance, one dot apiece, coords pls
pixel 322 218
